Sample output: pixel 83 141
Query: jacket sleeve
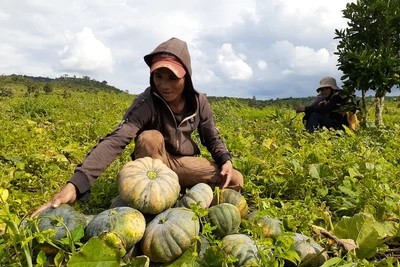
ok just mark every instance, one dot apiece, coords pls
pixel 109 148
pixel 331 105
pixel 209 134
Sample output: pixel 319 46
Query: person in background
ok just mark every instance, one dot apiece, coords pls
pixel 324 111
pixel 161 121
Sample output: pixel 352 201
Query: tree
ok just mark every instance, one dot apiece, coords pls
pixel 33 87
pixel 48 88
pixel 368 50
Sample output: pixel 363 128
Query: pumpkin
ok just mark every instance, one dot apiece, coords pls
pixel 233 197
pixel 307 248
pixel 271 227
pixel 127 222
pixel 60 219
pixel 170 234
pixel 118 202
pixel 241 247
pixel 89 217
pixel 226 217
pixel 148 185
pixel 199 193
pixel 204 245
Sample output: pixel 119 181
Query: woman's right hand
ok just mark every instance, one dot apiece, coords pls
pixel 67 195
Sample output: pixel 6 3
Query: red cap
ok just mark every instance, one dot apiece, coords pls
pixel 167 60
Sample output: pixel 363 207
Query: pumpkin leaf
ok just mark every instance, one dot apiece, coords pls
pixel 140 261
pixel 320 171
pixel 111 247
pixel 365 231
pixel 188 258
pixel 213 257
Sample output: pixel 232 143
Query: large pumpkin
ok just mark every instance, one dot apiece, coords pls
pixel 118 202
pixel 233 197
pixel 308 250
pixel 127 222
pixel 199 193
pixel 170 234
pixel 60 219
pixel 226 217
pixel 241 247
pixel 270 227
pixel 148 185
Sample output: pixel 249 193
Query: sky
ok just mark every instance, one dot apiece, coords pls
pixel 266 49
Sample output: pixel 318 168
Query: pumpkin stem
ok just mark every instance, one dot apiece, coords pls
pixel 112 212
pixel 152 175
pixel 162 220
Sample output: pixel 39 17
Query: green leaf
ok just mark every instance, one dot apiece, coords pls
pixel 320 171
pixel 189 258
pixel 140 261
pixel 213 257
pixel 41 258
pixel 332 262
pixel 111 248
pixel 59 258
pixel 3 194
pixel 362 228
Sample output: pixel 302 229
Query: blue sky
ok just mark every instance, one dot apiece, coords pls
pixel 264 48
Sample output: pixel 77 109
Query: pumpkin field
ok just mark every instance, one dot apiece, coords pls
pixel 330 198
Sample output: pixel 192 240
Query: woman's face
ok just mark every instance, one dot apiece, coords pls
pixel 326 91
pixel 168 85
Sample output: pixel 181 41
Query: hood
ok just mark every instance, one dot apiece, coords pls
pixel 178 48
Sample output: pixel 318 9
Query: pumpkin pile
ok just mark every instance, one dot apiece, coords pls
pixel 149 216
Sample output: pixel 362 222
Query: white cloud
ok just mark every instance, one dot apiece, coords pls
pixel 251 14
pixel 262 65
pixel 240 48
pixel 233 65
pixel 84 52
pixel 301 60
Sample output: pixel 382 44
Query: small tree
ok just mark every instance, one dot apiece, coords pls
pixel 48 88
pixel 6 91
pixel 33 88
pixel 368 50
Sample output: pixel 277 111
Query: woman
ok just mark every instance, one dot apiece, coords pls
pixel 161 121
pixel 325 111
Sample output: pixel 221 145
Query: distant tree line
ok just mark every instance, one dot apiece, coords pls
pixel 10 84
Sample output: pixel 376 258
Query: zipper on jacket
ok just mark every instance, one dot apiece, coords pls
pixel 176 125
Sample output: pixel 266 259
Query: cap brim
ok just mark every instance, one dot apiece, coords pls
pixel 176 69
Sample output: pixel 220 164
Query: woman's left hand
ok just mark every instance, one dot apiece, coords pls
pixel 226 173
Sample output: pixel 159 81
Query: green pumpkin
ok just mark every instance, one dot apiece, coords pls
pixel 148 185
pixel 199 193
pixel 51 218
pixel 241 247
pixel 307 248
pixel 127 222
pixel 226 217
pixel 233 197
pixel 271 227
pixel 170 234
pixel 118 202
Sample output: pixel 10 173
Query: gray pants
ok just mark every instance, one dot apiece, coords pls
pixel 190 170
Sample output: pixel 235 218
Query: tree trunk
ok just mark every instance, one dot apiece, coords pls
pixel 364 111
pixel 378 111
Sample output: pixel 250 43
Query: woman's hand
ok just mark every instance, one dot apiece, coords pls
pixel 226 173
pixel 67 195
